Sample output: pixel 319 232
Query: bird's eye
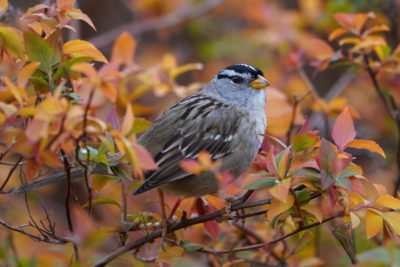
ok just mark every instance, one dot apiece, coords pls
pixel 237 79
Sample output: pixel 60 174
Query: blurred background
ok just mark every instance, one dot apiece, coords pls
pixel 283 38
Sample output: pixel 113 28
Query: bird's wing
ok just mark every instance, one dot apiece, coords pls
pixel 202 125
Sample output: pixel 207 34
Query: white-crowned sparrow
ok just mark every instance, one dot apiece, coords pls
pixel 226 119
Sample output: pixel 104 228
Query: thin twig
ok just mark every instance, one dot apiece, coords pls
pixel 16 164
pixel 183 14
pixel 393 110
pixel 261 245
pixel 67 169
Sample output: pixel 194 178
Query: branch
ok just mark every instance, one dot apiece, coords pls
pixel 139 27
pixel 393 110
pixel 219 215
pixel 262 245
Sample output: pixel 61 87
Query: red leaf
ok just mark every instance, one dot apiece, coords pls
pixel 343 130
pixel 212 228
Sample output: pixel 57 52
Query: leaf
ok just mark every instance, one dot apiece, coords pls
pixel 343 130
pixel 214 201
pixel 337 33
pixel 80 48
pixel 190 246
pixel 3 6
pixel 212 228
pixel 393 220
pixel 303 141
pixel 123 49
pixel 314 210
pixel 127 122
pixel 388 201
pixel 170 254
pixel 260 184
pixel 278 207
pixel 11 40
pixel 146 161
pixel 139 125
pixel 40 50
pixel 281 190
pixel 283 162
pixel 366 144
pixel 103 201
pixel 373 224
pixel 327 157
pixel 26 73
pixel 75 13
pixel 355 221
pixel 101 180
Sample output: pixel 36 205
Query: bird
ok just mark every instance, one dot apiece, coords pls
pixel 226 119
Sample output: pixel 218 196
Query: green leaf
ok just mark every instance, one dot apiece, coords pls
pixel 260 184
pixel 303 141
pixel 139 126
pixel 191 247
pixel 102 201
pixel 39 50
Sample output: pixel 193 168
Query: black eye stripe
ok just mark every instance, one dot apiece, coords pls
pixel 234 78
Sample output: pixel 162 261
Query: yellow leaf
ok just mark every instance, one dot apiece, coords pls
pixel 355 221
pixel 80 48
pixel 366 144
pixel 170 253
pixel 3 6
pixel 283 163
pixel 393 220
pixel 388 201
pixel 14 90
pixel 123 50
pixel 215 201
pixel 373 223
pixel 277 207
pixel 281 190
pixel 26 73
pixel 27 111
pixel 313 210
pixel 12 41
pixel 175 72
pixel 127 123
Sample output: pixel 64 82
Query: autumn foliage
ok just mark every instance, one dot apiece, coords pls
pixel 66 107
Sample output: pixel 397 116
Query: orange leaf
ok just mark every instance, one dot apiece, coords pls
pixel 127 123
pixel 366 144
pixel 283 163
pixel 77 14
pixel 388 201
pixel 343 130
pixel 215 201
pixel 26 73
pixel 336 33
pixel 277 207
pixel 373 224
pixel 123 50
pixel 80 48
pixel 281 190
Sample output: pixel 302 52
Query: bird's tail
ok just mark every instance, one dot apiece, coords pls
pixel 52 179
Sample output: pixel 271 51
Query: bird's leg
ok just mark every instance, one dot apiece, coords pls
pixel 164 221
pixel 174 208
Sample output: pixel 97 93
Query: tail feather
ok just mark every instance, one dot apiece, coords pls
pixel 52 179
